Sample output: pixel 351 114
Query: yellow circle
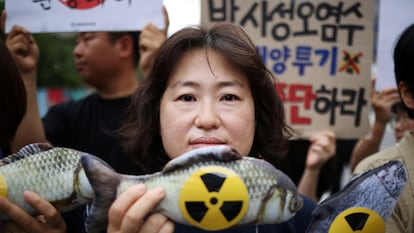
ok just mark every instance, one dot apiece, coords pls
pixel 3 186
pixel 214 198
pixel 358 219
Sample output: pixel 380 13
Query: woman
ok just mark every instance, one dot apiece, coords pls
pixel 207 87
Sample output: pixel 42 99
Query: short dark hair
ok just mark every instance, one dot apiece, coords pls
pixel 396 107
pixel 113 36
pixel 140 135
pixel 13 98
pixel 404 62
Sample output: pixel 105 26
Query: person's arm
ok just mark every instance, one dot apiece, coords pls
pixel 381 103
pixel 130 212
pixel 323 147
pixel 25 52
pixel 50 221
pixel 368 145
pixel 150 41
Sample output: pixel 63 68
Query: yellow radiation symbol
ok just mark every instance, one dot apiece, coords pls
pixel 358 219
pixel 214 198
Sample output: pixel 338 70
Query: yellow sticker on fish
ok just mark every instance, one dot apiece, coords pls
pixel 214 198
pixel 3 186
pixel 358 219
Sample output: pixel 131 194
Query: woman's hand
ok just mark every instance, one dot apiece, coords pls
pixel 131 212
pixel 49 220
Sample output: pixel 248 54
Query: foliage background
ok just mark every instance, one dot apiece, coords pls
pixel 56 66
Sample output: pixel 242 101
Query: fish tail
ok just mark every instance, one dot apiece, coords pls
pixel 104 181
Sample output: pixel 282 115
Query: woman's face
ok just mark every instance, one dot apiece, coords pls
pixel 206 105
pixel 402 123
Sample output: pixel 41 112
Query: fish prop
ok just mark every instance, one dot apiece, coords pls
pixel 55 173
pixel 212 188
pixel 363 204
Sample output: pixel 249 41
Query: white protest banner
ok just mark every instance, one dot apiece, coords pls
pixel 83 15
pixel 394 17
pixel 319 51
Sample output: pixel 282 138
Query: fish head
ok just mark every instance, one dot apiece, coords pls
pixel 282 200
pixel 394 177
pixel 282 205
pixel 295 202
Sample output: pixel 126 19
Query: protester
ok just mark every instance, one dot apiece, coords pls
pixel 400 121
pixel 322 148
pixel 381 102
pixel 402 218
pixel 207 87
pixel 106 61
pixel 311 163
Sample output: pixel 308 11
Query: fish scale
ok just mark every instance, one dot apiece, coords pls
pixel 47 171
pixel 377 190
pixel 69 178
pixel 271 195
pixel 256 183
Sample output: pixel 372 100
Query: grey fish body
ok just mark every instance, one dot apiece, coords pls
pixel 52 172
pixel 271 195
pixel 377 189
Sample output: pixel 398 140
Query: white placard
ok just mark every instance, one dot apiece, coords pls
pixel 394 17
pixel 83 15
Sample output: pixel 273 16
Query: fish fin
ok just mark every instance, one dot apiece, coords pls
pixel 26 151
pixel 104 181
pixel 222 153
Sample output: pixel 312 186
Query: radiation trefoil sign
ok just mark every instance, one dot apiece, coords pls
pixel 221 199
pixel 358 219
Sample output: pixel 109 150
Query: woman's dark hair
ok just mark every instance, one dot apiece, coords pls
pixel 140 135
pixel 12 100
pixel 404 61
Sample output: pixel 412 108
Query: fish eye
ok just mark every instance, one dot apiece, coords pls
pixel 401 173
pixel 295 204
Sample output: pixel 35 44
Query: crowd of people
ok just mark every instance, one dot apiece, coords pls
pixel 200 87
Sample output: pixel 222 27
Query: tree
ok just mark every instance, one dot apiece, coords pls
pixel 56 66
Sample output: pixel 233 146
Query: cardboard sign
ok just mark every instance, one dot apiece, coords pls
pixel 320 53
pixel 83 15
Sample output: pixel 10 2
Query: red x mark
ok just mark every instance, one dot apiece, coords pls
pixel 350 61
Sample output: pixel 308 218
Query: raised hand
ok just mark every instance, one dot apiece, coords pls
pixel 150 41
